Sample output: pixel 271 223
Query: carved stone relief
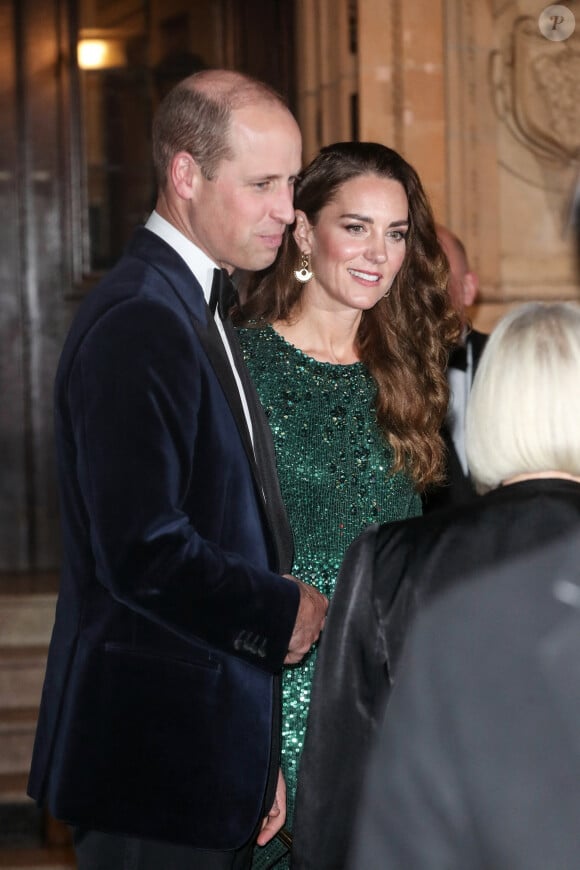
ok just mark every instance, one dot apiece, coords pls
pixel 535 91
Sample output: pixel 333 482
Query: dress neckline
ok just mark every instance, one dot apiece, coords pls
pixel 311 359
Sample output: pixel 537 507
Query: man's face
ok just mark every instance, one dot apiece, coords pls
pixel 238 218
pixel 463 283
pixel 457 271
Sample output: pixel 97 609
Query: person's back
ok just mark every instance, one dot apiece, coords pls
pixel 477 763
pixel 410 563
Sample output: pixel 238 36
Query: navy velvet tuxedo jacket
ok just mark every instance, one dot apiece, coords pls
pixel 172 619
pixel 389 573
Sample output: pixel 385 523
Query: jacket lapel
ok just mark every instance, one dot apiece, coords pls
pixel 213 345
pixel 264 466
pixel 150 247
pixel 266 460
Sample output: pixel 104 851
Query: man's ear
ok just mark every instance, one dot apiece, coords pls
pixel 303 232
pixel 470 288
pixel 184 174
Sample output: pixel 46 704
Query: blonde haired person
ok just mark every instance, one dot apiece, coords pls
pixel 524 418
pixel 476 763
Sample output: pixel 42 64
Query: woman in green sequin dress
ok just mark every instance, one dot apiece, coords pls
pixel 346 340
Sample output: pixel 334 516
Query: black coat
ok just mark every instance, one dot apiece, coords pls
pixel 478 759
pixel 388 572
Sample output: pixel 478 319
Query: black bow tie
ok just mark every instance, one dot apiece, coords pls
pixel 458 358
pixel 223 294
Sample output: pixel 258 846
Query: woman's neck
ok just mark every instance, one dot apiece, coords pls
pixel 323 335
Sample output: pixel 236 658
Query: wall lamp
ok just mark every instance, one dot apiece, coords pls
pixel 101 50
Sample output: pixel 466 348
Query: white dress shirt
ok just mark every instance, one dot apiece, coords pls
pixel 459 387
pixel 203 268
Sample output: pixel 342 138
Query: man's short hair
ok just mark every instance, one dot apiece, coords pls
pixel 195 117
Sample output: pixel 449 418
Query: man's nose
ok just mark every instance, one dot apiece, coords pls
pixel 283 205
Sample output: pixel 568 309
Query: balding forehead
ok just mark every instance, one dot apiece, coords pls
pixel 232 89
pixel 452 244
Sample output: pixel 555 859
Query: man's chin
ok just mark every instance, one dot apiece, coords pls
pixel 263 260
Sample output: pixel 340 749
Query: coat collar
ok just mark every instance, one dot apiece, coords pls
pixel 148 246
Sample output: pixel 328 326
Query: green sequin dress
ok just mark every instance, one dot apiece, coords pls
pixel 333 466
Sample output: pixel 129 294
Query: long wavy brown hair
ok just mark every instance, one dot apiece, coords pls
pixel 404 340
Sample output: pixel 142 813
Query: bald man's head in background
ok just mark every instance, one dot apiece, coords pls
pixel 463 282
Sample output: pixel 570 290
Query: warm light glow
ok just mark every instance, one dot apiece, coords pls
pixel 100 53
pixel 92 53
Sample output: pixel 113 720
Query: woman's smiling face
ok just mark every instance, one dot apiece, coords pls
pixel 358 243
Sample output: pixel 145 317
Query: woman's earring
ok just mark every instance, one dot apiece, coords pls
pixel 304 273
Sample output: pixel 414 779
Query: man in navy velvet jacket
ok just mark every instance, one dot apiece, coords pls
pixel 157 735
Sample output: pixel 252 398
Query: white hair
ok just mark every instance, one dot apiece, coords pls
pixel 523 413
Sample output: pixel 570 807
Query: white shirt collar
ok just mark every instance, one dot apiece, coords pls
pixel 199 263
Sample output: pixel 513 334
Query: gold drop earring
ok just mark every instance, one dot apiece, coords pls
pixel 304 273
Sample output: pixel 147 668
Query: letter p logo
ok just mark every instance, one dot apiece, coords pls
pixel 556 23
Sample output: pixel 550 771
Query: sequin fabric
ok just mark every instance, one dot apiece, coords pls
pixel 333 466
